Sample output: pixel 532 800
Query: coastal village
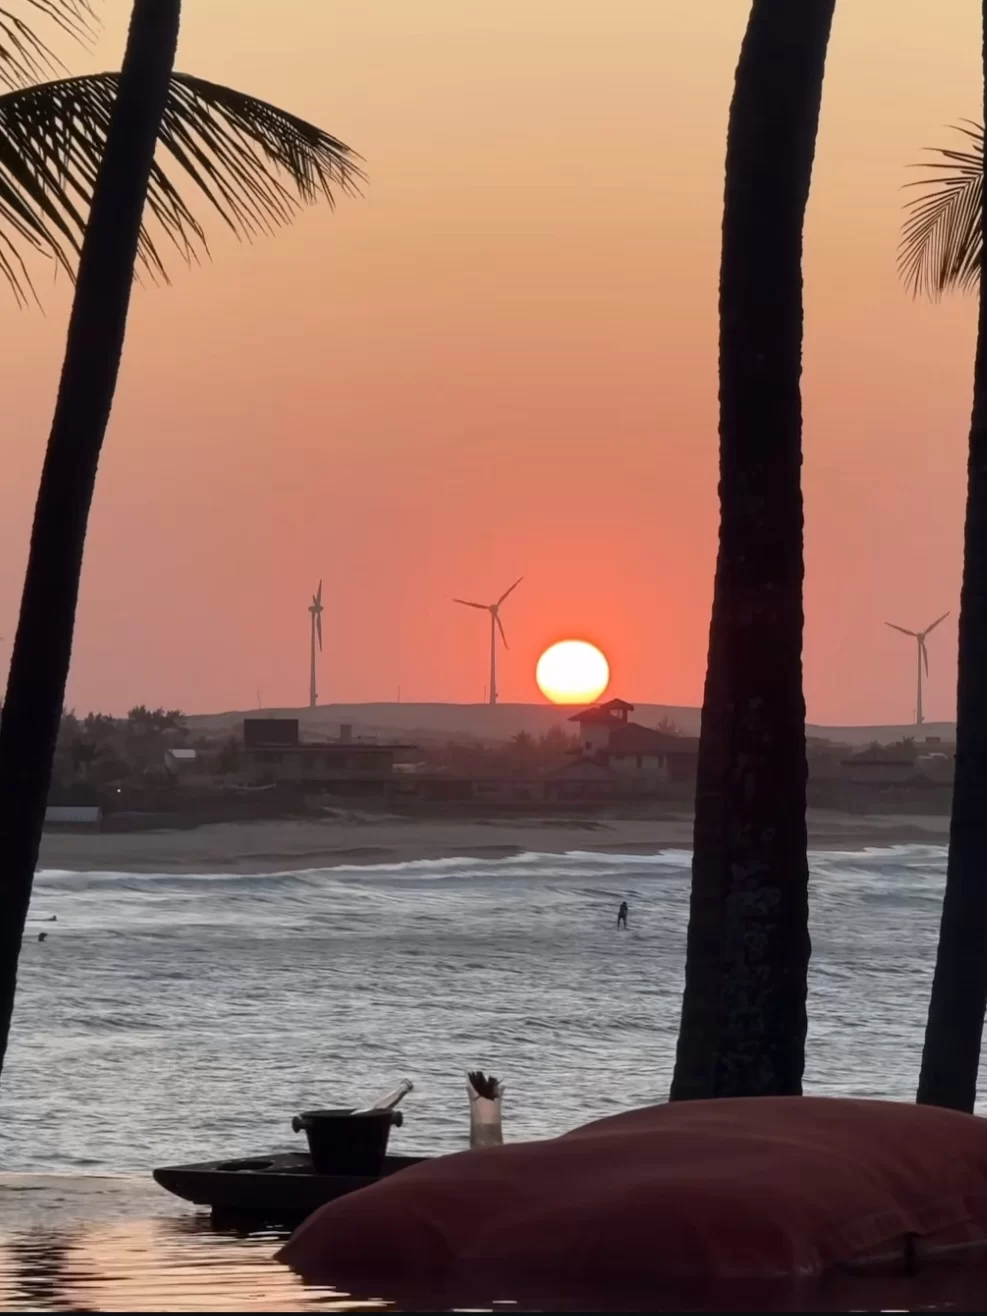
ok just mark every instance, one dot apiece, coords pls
pixel 157 768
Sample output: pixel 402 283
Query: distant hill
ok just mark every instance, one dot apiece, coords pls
pixel 430 722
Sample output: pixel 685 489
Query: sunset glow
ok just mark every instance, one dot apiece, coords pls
pixel 508 348
pixel 572 672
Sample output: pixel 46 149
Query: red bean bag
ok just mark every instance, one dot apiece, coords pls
pixel 740 1192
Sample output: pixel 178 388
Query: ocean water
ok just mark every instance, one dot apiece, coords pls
pixel 176 1018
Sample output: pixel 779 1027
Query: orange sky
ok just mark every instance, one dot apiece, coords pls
pixel 502 362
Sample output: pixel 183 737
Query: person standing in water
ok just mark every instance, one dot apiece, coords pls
pixel 622 915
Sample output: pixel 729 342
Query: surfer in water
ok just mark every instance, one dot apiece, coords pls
pixel 622 915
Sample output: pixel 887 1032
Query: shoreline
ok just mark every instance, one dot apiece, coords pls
pixel 363 840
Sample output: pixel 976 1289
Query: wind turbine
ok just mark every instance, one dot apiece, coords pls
pixel 316 610
pixel 495 625
pixel 923 657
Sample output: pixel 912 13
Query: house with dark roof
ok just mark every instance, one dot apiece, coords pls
pixel 185 765
pixel 275 754
pixel 597 724
pixel 612 741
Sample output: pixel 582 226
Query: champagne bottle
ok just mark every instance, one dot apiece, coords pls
pixel 390 1100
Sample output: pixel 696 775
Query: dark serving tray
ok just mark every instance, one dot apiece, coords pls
pixel 282 1187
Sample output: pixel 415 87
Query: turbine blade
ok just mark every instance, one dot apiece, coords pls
pixel 466 604
pixel 925 655
pixel 509 591
pixel 501 625
pixel 935 623
pixel 913 634
pixel 318 596
pixel 318 627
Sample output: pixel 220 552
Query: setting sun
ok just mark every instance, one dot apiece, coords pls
pixel 572 672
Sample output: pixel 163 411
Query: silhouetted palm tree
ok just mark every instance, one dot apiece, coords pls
pixel 942 248
pixel 90 143
pixel 744 1008
pixel 942 237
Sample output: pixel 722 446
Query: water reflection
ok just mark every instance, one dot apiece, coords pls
pixel 75 1243
pixel 37 1272
pixel 154 1265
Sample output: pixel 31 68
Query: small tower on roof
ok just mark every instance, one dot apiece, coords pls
pixel 596 723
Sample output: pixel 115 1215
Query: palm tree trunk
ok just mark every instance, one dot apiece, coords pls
pixel 951 1056
pixel 744 1008
pixel 43 646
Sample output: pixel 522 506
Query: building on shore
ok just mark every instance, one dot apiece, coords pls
pixel 185 767
pixel 609 740
pixel 275 755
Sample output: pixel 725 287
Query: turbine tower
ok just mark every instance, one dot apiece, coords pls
pixel 495 625
pixel 923 658
pixel 315 609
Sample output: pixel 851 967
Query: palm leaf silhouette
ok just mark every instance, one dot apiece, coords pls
pixel 941 240
pixel 254 164
pixel 24 56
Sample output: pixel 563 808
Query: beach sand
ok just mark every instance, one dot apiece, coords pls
pixel 348 839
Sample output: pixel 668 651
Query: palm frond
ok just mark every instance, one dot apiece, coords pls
pixel 24 56
pixel 941 239
pixel 254 164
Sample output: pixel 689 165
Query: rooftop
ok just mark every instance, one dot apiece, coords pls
pixel 635 739
pixel 328 747
pixel 583 766
pixel 614 710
